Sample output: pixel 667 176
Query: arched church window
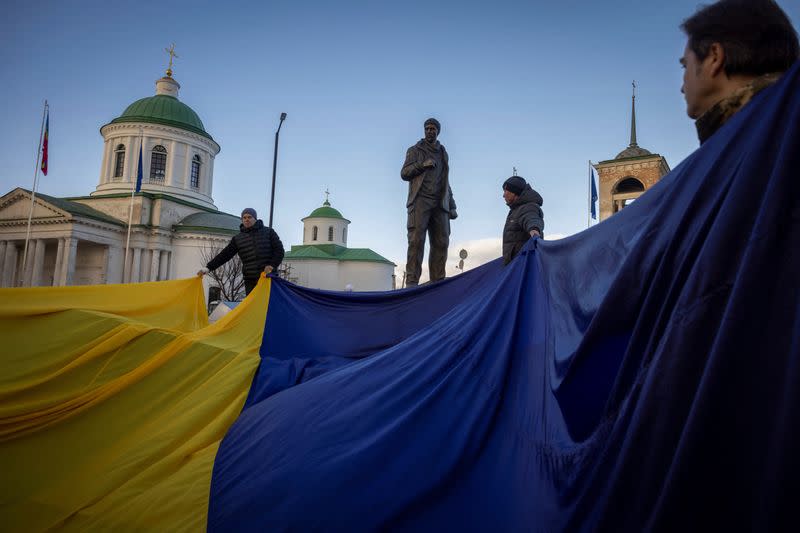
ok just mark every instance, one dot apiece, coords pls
pixel 158 164
pixel 344 234
pixel 314 233
pixel 629 185
pixel 195 176
pixel 119 161
pixel 330 233
pixel 625 192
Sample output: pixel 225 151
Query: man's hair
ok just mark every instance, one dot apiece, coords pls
pixel 435 123
pixel 756 35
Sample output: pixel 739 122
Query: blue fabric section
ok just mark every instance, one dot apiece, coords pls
pixel 641 375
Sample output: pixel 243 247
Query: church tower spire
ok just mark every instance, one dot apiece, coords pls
pixel 634 170
pixel 633 116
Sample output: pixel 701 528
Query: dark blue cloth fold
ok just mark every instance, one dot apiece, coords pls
pixel 641 375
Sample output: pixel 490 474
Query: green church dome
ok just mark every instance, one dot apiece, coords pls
pixel 166 110
pixel 326 211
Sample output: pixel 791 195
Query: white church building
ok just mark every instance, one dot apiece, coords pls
pixel 81 240
pixel 324 261
pixel 175 229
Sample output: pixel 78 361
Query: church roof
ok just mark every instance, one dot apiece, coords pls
pixel 78 209
pixel 632 151
pixel 335 252
pixel 210 222
pixel 326 211
pixel 166 110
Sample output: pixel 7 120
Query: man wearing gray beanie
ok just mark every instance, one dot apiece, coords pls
pixel 525 217
pixel 258 246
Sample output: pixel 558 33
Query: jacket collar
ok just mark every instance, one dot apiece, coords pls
pixel 713 119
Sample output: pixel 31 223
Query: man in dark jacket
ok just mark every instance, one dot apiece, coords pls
pixel 430 204
pixel 525 218
pixel 258 246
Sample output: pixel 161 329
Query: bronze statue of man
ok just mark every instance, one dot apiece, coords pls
pixel 430 204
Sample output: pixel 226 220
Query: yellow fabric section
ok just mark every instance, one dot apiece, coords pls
pixel 113 401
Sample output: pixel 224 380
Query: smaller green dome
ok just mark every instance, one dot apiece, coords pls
pixel 326 211
pixel 163 109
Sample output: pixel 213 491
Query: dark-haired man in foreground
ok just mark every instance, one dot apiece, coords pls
pixel 735 49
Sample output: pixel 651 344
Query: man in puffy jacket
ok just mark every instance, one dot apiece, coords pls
pixel 258 246
pixel 525 218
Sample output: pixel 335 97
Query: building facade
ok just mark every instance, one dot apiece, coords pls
pixel 324 261
pixel 626 177
pixel 165 231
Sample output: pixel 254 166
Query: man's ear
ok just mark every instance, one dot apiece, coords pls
pixel 715 60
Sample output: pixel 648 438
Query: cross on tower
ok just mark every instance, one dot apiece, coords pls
pixel 515 170
pixel 327 193
pixel 172 54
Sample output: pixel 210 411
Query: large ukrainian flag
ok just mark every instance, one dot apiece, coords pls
pixel 643 375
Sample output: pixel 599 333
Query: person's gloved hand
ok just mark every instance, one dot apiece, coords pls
pixel 453 214
pixel 268 269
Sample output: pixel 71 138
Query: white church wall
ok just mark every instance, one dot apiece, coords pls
pixel 187 255
pixel 316 273
pixel 365 276
pixel 322 225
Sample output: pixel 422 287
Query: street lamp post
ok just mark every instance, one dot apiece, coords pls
pixel 274 167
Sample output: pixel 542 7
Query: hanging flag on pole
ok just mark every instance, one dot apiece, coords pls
pixel 44 143
pixel 139 172
pixel 594 193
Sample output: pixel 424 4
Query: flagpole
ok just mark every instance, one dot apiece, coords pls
pixel 134 181
pixel 33 197
pixel 589 196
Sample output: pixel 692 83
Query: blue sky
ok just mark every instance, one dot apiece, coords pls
pixel 540 86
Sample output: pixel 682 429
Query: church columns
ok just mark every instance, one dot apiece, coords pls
pixel 172 168
pixel 114 265
pixel 37 264
pixel 208 172
pixel 163 271
pixel 155 264
pixel 104 177
pixel 3 245
pixel 27 274
pixel 59 261
pixel 9 264
pixel 136 266
pixel 67 272
pixel 187 169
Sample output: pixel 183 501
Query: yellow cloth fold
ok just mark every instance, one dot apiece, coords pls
pixel 113 401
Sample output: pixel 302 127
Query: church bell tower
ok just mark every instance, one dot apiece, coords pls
pixel 629 174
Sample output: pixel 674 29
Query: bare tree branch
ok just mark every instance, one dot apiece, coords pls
pixel 227 277
pixel 285 272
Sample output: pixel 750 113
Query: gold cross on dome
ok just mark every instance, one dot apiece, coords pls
pixel 172 54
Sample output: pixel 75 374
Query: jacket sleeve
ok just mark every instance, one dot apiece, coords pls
pixel 224 256
pixel 531 218
pixel 411 168
pixel 277 250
